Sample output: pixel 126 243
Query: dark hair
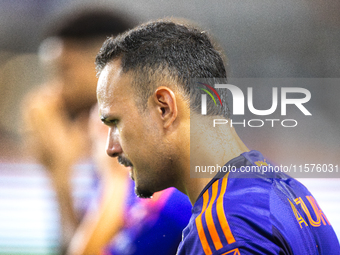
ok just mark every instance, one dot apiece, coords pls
pixel 167 50
pixel 88 24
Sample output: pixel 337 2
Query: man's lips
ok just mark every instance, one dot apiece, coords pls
pixel 127 163
pixel 131 173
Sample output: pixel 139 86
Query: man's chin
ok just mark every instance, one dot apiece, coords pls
pixel 142 193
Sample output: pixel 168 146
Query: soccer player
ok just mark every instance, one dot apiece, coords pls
pixel 148 99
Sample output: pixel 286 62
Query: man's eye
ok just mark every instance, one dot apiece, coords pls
pixel 109 122
pixel 113 122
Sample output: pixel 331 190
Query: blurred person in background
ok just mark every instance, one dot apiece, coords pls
pixel 56 119
pixel 56 114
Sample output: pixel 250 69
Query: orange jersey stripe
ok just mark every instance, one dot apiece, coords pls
pixel 199 226
pixel 220 212
pixel 210 222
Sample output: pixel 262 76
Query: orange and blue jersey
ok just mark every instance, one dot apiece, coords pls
pixel 241 213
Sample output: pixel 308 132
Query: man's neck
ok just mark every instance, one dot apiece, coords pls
pixel 209 146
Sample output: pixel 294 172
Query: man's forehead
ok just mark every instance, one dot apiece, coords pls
pixel 114 88
pixel 108 87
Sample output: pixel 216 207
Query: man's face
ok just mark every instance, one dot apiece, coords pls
pixel 136 137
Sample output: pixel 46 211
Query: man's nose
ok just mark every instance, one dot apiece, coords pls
pixel 113 148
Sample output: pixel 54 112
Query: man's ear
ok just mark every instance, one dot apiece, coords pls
pixel 165 100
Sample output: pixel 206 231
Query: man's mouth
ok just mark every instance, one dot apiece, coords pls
pixel 131 173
